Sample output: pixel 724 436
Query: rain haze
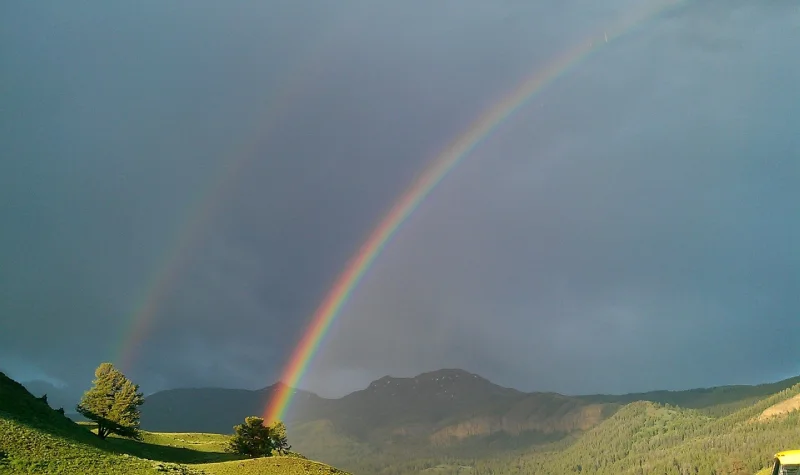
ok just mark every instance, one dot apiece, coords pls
pixel 214 165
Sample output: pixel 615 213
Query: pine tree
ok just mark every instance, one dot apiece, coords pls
pixel 280 442
pixel 253 438
pixel 113 403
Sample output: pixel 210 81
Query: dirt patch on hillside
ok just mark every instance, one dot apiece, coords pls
pixel 781 409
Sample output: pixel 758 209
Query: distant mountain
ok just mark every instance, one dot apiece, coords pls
pixel 213 409
pixel 449 411
pixel 447 406
pixel 439 407
pixel 719 400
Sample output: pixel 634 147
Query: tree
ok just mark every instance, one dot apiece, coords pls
pixel 255 439
pixel 113 403
pixel 279 439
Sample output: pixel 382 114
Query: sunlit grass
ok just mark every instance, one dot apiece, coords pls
pixel 36 439
pixel 32 450
pixel 269 465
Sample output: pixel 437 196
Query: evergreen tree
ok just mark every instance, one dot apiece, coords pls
pixel 280 441
pixel 253 438
pixel 113 403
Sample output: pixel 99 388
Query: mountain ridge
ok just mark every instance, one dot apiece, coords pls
pixel 609 397
pixel 443 406
pixel 452 414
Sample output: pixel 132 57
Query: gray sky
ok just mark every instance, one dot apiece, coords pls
pixel 634 226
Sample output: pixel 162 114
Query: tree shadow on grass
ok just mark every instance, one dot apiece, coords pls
pixel 82 434
pixel 165 453
pixel 160 452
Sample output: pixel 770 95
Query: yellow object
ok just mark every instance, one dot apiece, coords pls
pixel 787 462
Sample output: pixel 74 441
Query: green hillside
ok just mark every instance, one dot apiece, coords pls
pixel 650 438
pixel 642 438
pixel 34 438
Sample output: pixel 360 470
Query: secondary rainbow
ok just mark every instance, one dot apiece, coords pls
pixel 189 232
pixel 440 166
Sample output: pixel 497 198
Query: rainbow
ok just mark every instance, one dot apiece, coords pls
pixel 437 170
pixel 188 234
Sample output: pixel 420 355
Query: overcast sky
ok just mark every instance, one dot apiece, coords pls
pixel 634 226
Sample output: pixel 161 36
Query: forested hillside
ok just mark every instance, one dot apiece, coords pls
pixel 642 438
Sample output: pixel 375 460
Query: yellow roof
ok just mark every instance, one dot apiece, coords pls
pixel 788 457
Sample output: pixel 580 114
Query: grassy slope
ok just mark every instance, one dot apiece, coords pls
pixel 36 439
pixel 282 465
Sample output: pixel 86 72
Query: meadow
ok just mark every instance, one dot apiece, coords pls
pixel 35 439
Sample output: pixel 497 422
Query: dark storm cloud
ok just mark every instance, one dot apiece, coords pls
pixel 602 239
pixel 633 229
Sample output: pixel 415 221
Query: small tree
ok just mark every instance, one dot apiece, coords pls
pixel 113 403
pixel 253 438
pixel 279 439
